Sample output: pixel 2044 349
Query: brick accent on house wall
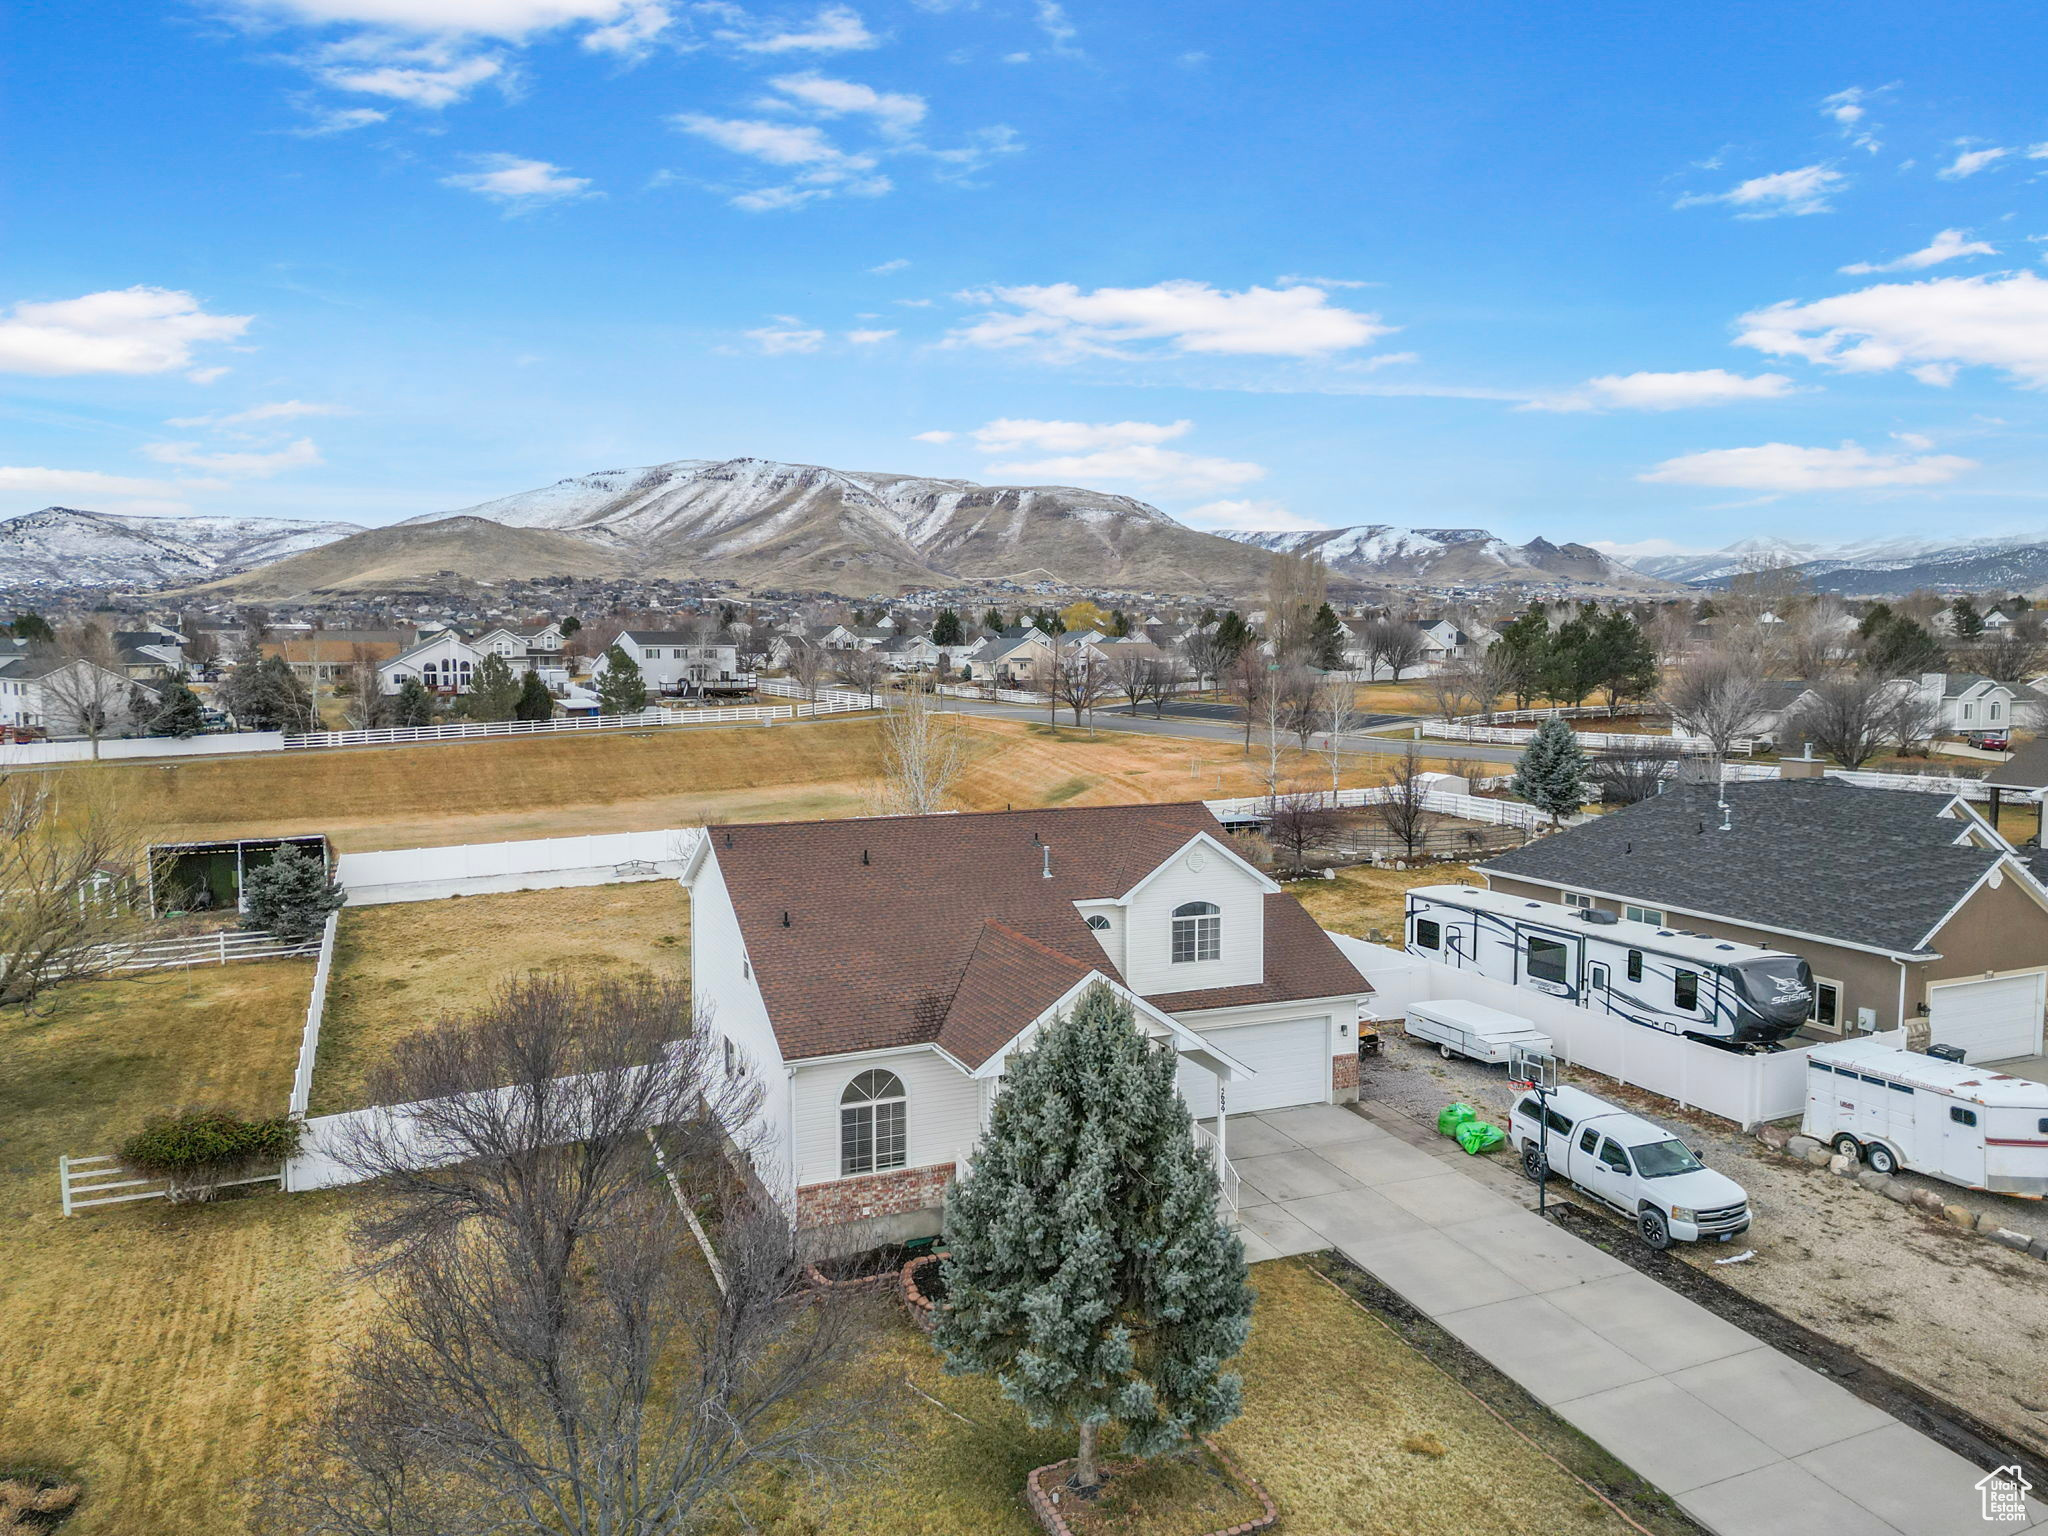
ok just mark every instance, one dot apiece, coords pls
pixel 873 1194
pixel 1344 1078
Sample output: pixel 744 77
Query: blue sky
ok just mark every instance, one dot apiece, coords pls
pixel 1637 275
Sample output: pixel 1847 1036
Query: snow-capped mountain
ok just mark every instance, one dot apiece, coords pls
pixel 63 546
pixel 1380 554
pixel 1872 567
pixel 803 525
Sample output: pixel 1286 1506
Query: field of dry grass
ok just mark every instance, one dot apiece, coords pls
pixel 1350 1429
pixel 401 968
pixel 156 1350
pixel 1361 898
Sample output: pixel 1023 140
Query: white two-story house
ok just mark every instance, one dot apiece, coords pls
pixel 538 648
pixel 442 659
pixel 876 974
pixel 675 662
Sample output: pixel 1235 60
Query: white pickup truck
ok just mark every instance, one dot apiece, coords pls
pixel 1625 1161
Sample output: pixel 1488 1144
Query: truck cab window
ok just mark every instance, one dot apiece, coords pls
pixel 1612 1155
pixel 1428 933
pixel 1586 1141
pixel 1685 989
pixel 1557 1122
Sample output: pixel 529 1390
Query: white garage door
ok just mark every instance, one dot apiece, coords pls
pixel 1991 1020
pixel 1291 1059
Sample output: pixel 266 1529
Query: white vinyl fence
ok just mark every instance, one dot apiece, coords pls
pixel 485 730
pixel 36 754
pixel 207 949
pixel 316 1008
pixel 475 869
pixel 1745 1088
pixel 83 1182
pixel 1592 741
pixel 1499 813
pixel 829 701
pixel 1871 778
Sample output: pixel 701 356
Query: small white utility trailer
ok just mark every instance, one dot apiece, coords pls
pixel 1459 1028
pixel 1898 1109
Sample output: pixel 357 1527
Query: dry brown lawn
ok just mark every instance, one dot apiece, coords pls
pixel 1333 1401
pixel 1361 898
pixel 404 967
pixel 156 1350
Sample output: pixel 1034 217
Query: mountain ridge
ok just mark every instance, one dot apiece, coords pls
pixel 71 547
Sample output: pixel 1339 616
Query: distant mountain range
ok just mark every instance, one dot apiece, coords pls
pixel 1377 554
pixel 63 546
pixel 1873 567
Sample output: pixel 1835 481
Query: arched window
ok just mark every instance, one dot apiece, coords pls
pixel 1197 932
pixel 871 1124
pixel 1099 923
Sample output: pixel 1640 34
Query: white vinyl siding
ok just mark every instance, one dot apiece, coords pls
pixel 1148 938
pixel 941 1110
pixel 723 984
pixel 1992 1020
pixel 1291 1057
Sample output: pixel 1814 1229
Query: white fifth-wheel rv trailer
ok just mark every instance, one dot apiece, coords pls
pixel 1737 996
pixel 1899 1109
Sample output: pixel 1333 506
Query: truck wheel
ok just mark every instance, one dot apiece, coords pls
pixel 1656 1231
pixel 1532 1162
pixel 1447 1053
pixel 1848 1146
pixel 1881 1159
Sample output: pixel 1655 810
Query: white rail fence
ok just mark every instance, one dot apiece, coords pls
pixel 1500 813
pixel 1594 741
pixel 206 949
pixel 829 701
pixel 1748 1089
pixel 1871 778
pixel 92 1177
pixel 316 1009
pixel 475 869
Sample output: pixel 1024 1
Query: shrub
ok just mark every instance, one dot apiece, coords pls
pixel 291 895
pixel 202 1149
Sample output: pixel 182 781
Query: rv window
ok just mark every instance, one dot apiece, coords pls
pixel 1635 965
pixel 2041 1125
pixel 1877 1081
pixel 1685 989
pixel 1428 933
pixel 1586 1141
pixel 1546 959
pixel 1612 1155
pixel 1900 1087
pixel 1963 1116
pixel 1820 1066
pixel 1827 1004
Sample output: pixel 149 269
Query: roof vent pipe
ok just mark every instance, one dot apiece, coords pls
pixel 1046 848
pixel 785 917
pixel 863 855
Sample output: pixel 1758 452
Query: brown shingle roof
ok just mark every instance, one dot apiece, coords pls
pixel 908 930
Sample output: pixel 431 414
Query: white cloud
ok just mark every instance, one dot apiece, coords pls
pixel 511 20
pixel 1970 162
pixel 868 338
pixel 893 112
pixel 1946 246
pixel 126 330
pixel 433 76
pixel 786 336
pixel 1256 516
pixel 341 120
pixel 519 183
pixel 889 266
pixel 76 482
pixel 1642 548
pixel 1850 110
pixel 1805 190
pixel 275 410
pixel 775 143
pixel 1788 467
pixel 835 29
pixel 1157 468
pixel 637 26
pixel 211 375
pixel 1665 391
pixel 1061 321
pixel 1930 328
pixel 1060 32
pixel 934 437
pixel 1009 434
pixel 297 455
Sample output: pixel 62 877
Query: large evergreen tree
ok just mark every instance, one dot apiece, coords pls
pixel 535 702
pixel 291 895
pixel 1090 1270
pixel 1623 661
pixel 178 711
pixel 1524 650
pixel 1232 636
pixel 265 694
pixel 493 689
pixel 620 690
pixel 946 628
pixel 1572 663
pixel 1899 647
pixel 1551 774
pixel 32 626
pixel 992 621
pixel 1326 639
pixel 413 704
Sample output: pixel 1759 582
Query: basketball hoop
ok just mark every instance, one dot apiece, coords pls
pixel 1530 1069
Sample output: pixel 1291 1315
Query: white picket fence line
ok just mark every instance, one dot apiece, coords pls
pixel 1554 712
pixel 73 1174
pixel 993 695
pixel 1596 741
pixel 1500 813
pixel 542 863
pixel 478 730
pixel 316 1009
pixel 1870 778
pixel 207 949
pixel 830 701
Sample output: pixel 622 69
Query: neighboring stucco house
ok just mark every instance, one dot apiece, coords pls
pixel 1908 906
pixel 876 973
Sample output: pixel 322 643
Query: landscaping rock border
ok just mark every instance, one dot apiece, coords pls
pixel 920 1306
pixel 1806 1149
pixel 1039 1486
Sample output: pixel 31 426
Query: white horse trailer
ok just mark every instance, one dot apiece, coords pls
pixel 1899 1109
pixel 1713 990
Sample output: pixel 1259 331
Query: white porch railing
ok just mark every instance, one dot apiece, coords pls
pixel 1227 1181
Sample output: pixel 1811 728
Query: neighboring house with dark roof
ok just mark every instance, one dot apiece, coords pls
pixel 1909 907
pixel 875 974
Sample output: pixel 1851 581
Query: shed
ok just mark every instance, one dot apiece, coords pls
pixel 208 876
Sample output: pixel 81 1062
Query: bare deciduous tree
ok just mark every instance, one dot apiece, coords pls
pixel 69 850
pixel 1624 778
pixel 1135 672
pixel 924 752
pixel 364 706
pixel 1401 810
pixel 1296 586
pixel 1298 825
pixel 1204 657
pixel 551 1357
pixel 1912 718
pixel 806 661
pixel 1847 715
pixel 861 671
pixel 2009 657
pixel 1337 712
pixel 1718 696
pixel 1394 643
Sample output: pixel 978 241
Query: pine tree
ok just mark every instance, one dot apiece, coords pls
pixel 493 689
pixel 1119 623
pixel 946 628
pixel 32 626
pixel 992 621
pixel 178 711
pixel 1551 774
pixel 291 895
pixel 1326 640
pixel 1232 636
pixel 1090 1271
pixel 264 694
pixel 1624 663
pixel 571 625
pixel 1969 623
pixel 413 704
pixel 535 702
pixel 1524 647
pixel 620 690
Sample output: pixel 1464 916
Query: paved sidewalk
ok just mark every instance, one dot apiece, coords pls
pixel 1748 1441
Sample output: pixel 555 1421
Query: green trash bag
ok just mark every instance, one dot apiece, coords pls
pixel 1477 1136
pixel 1451 1116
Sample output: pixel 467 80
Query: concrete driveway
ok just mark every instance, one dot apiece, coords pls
pixel 1748 1441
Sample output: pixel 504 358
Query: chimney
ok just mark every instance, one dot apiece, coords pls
pixel 1808 767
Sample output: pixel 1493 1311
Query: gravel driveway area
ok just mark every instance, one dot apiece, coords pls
pixel 1955 1314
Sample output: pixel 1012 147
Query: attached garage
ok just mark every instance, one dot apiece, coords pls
pixel 1991 1020
pixel 1292 1059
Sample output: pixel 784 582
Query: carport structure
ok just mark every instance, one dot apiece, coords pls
pixel 208 876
